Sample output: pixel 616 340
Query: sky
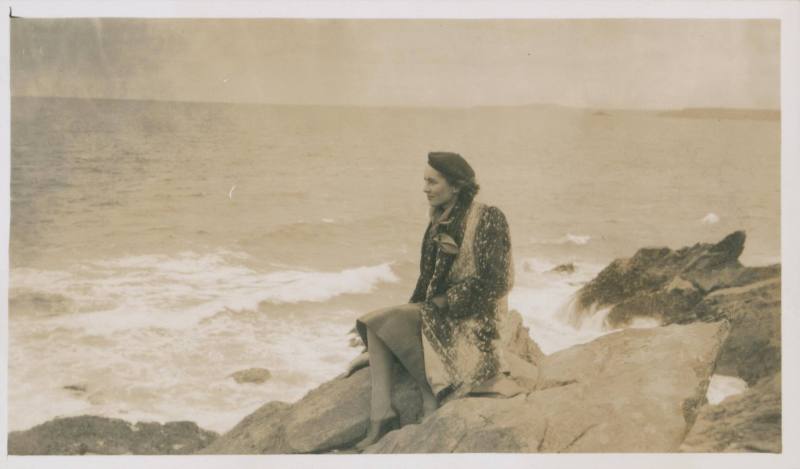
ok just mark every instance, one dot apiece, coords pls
pixel 625 63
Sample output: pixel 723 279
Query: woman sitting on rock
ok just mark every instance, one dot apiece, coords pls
pixel 447 335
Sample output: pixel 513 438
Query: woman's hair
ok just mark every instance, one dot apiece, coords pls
pixel 467 189
pixel 457 172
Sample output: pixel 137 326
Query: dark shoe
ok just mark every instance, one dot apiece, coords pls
pixel 377 429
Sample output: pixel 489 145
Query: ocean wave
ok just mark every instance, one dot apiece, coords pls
pixel 569 238
pixel 167 374
pixel 181 289
pixel 710 219
pixel 544 312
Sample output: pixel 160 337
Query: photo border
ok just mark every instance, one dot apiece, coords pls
pixel 788 12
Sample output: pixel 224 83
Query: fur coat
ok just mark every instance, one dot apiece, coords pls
pixel 465 260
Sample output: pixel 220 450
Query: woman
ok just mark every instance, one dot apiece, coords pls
pixel 447 335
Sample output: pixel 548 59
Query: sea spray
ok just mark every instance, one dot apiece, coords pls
pixel 177 291
pixel 155 337
pixel 545 298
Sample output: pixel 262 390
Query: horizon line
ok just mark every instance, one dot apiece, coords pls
pixel 412 106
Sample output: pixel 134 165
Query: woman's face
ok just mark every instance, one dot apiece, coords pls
pixel 437 189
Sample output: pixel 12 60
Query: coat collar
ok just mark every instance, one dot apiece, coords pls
pixel 441 215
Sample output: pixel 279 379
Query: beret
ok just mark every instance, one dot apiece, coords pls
pixel 451 165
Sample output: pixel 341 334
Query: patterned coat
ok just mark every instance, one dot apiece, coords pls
pixel 461 338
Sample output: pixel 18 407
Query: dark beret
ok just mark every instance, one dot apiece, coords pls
pixel 451 165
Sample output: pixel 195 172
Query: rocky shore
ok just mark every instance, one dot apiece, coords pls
pixel 100 435
pixel 633 390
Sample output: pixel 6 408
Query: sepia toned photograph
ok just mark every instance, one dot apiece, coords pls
pixel 261 236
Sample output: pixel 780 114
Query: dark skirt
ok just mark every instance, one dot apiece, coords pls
pixel 399 327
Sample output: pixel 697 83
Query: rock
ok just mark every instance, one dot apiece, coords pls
pixel 748 422
pixel 336 414
pixel 101 435
pixel 631 391
pixel 748 297
pixel 702 283
pixel 251 375
pixel 667 306
pixel 75 387
pixel 753 349
pixel 259 433
pixel 650 270
pixel 564 269
pixel 636 390
pixel 471 425
pixel 516 339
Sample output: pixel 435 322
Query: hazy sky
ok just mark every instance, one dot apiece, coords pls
pixel 591 63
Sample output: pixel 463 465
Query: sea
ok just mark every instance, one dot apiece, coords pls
pixel 158 247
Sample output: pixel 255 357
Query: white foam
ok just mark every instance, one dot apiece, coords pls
pixel 179 290
pixel 174 374
pixel 710 219
pixel 545 302
pixel 156 337
pixel 721 387
pixel 641 322
pixel 578 240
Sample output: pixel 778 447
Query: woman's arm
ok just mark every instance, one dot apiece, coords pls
pixel 420 290
pixel 494 275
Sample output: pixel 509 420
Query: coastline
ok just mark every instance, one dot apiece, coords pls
pixel 700 298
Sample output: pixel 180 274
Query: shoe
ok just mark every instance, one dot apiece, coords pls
pixel 378 428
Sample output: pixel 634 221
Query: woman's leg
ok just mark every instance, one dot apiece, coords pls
pixel 380 364
pixel 382 416
pixel 408 350
pixel 417 372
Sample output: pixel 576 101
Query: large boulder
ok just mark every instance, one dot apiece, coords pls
pixel 651 268
pixel 471 425
pixel 336 414
pixel 749 422
pixel 666 285
pixel 753 349
pixel 100 435
pixel 258 433
pixel 332 416
pixel 636 390
pixel 705 283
